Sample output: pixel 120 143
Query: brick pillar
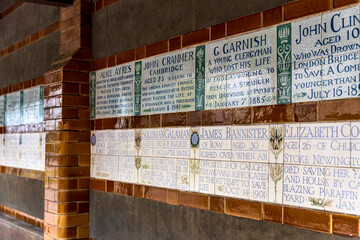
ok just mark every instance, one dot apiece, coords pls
pixel 67 123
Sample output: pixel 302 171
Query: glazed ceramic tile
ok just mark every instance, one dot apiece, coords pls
pixel 216 60
pixel 207 177
pixel 130 146
pixel 251 51
pixel 341 76
pixel 101 142
pixel 30 151
pixel 276 180
pixel 232 179
pixel 238 90
pixel 127 169
pixel 342 190
pixel 292 144
pixel 33 105
pixel 106 167
pixel 325 144
pixel 93 166
pixel 355 144
pixel 2 111
pixel 13 150
pixel 305 35
pixel 276 143
pixel 216 92
pixel 168 83
pixel 42 151
pixel 146 170
pixel 176 142
pixel 263 87
pixel 259 181
pixel 215 143
pixel 2 150
pixel 117 142
pixel 13 109
pixel 114 91
pixel 164 172
pixel 342 31
pixel 183 175
pixel 152 143
pixel 306 80
pixel 250 143
pixel 304 186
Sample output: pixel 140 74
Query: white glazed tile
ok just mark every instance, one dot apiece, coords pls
pixel 250 143
pixel 2 111
pixel 263 85
pixel 146 172
pixel 306 80
pixel 216 60
pixel 101 142
pixel 102 166
pixel 131 151
pixel 164 172
pixel 341 76
pixel 292 144
pixel 304 186
pixel 232 179
pixel 183 174
pixel 238 90
pixel 93 165
pixel 215 143
pixel 2 149
pixel 304 41
pixel 342 30
pixel 355 144
pixel 325 144
pixel 117 142
pixel 342 190
pixel 215 92
pixel 276 143
pixel 176 143
pixel 115 91
pixel 259 182
pixel 276 180
pixel 152 142
pixel 164 82
pixel 207 177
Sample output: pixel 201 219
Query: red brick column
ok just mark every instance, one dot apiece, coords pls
pixel 66 117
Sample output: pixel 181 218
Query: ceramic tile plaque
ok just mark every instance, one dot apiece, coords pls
pixel 13 114
pixel 168 83
pixel 33 105
pixel 2 111
pixel 113 91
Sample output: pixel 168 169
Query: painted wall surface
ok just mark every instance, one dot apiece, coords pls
pixel 312 59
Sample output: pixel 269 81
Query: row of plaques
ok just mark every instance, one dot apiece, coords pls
pixel 22 107
pixel 311 59
pixel 26 151
pixel 312 165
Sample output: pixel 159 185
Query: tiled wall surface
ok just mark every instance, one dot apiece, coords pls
pixel 312 165
pixel 311 59
pixel 22 144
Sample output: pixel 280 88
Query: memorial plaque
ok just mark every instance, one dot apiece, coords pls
pixel 114 94
pixel 355 144
pixel 207 177
pixel 259 182
pixel 13 109
pixel 164 172
pixel 250 143
pixel 33 105
pixel 183 175
pixel 176 143
pixel 232 179
pixel 304 186
pixel 325 144
pixel 168 83
pixel 215 143
pixel 127 169
pixel 342 190
pixel 2 110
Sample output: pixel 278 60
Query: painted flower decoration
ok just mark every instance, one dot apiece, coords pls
pixel 93 139
pixel 194 140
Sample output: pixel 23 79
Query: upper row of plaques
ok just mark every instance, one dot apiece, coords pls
pixel 22 107
pixel 312 59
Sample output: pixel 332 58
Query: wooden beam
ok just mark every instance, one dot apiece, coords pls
pixel 58 3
